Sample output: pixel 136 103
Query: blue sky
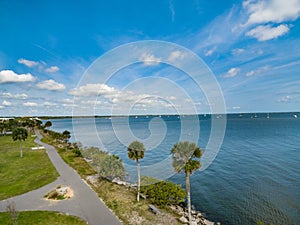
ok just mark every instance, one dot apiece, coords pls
pixel 252 48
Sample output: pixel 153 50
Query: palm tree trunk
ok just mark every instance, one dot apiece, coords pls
pixel 188 193
pixel 21 149
pixel 139 180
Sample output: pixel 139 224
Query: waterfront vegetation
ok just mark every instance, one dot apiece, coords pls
pixel 40 218
pixel 121 199
pixel 20 175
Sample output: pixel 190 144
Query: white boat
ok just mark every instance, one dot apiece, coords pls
pixel 268 116
pixel 295 116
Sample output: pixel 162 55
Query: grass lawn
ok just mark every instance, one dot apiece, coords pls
pixel 77 163
pixel 41 218
pixel 20 175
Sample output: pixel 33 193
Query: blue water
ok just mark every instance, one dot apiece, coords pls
pixel 255 175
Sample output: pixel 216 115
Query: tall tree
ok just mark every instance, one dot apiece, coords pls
pixel 66 135
pixel 136 151
pixel 184 159
pixel 48 124
pixel 20 134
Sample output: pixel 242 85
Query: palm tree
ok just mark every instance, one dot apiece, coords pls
pixel 48 124
pixel 184 154
pixel 66 135
pixel 20 134
pixel 136 151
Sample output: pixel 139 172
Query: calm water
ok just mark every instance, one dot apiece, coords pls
pixel 255 176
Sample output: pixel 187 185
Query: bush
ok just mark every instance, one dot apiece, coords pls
pixel 77 152
pixel 111 167
pixel 164 193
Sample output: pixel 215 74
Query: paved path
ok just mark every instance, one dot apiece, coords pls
pixel 85 203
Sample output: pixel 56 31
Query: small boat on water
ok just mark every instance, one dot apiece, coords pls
pixel 295 116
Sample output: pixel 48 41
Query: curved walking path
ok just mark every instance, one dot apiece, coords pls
pixel 84 204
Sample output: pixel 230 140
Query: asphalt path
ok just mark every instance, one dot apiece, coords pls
pixel 84 204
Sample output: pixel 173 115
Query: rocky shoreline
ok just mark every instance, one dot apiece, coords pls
pixel 197 217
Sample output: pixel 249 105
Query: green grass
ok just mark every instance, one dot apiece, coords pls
pixel 41 218
pixel 77 163
pixel 20 175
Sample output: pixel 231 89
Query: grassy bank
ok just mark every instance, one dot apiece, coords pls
pixel 20 175
pixel 41 218
pixel 77 163
pixel 122 201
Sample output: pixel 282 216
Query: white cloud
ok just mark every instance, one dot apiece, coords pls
pixel 267 32
pixel 28 63
pixel 232 72
pixel 210 52
pixel 2 107
pixel 149 59
pixel 237 51
pixel 9 76
pixel 257 71
pixel 176 55
pixel 52 69
pixel 68 100
pixel 13 96
pixel 30 104
pixel 92 90
pixel 48 104
pixel 171 7
pixel 285 99
pixel 111 96
pixel 6 103
pixel 275 11
pixel 51 85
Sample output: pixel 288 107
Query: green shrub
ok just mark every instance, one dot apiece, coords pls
pixel 111 167
pixel 164 193
pixel 77 152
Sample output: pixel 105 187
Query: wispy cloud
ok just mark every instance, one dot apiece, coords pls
pixel 176 55
pixel 28 63
pixel 42 66
pixel 172 10
pixel 6 103
pixel 237 51
pixel 30 104
pixel 52 69
pixel 49 104
pixel 13 96
pixel 9 76
pixel 210 51
pixel 285 99
pixel 257 71
pixel 51 85
pixel 232 72
pixel 267 32
pixel 149 59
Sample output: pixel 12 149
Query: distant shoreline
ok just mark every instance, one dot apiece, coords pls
pixel 156 115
